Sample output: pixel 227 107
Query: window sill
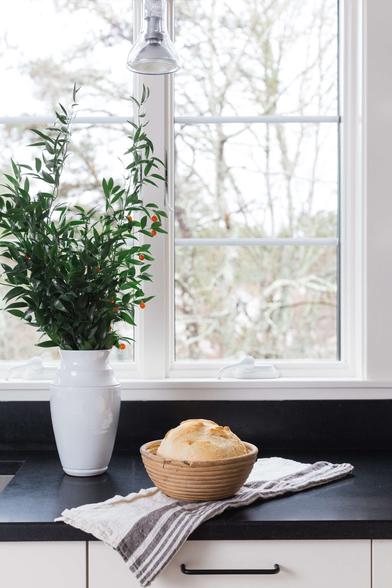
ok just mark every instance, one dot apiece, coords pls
pixel 212 389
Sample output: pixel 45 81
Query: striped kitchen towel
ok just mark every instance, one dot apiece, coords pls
pixel 147 528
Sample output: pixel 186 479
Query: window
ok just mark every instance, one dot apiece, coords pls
pixel 259 129
pixel 257 180
pixel 83 42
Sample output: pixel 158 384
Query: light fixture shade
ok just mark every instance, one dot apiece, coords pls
pixel 154 52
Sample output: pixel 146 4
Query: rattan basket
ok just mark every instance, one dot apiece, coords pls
pixel 198 480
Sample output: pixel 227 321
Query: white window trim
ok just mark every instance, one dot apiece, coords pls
pixel 211 389
pixel 366 369
pixel 158 346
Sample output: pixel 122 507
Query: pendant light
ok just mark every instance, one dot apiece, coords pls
pixel 154 52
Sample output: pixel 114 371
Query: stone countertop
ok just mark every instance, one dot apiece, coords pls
pixel 358 507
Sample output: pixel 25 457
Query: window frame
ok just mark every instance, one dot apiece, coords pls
pixel 351 256
pixel 154 354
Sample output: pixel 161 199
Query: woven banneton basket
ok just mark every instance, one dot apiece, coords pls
pixel 198 480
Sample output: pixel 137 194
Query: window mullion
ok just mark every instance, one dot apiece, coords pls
pixel 268 119
pixel 259 241
pixel 50 120
pixel 153 322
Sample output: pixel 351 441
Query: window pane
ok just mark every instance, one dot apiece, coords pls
pixel 17 339
pixel 47 45
pixel 256 57
pixel 257 180
pixel 96 153
pixel 235 180
pixel 269 302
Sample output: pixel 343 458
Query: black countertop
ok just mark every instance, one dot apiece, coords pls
pixel 358 507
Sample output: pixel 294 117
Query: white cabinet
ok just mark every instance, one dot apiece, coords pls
pixel 107 568
pixel 43 564
pixel 303 564
pixel 382 564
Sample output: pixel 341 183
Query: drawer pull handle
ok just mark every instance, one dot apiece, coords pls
pixel 265 572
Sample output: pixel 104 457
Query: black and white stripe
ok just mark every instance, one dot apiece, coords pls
pixel 154 539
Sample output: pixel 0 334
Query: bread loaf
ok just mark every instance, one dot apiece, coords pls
pixel 200 440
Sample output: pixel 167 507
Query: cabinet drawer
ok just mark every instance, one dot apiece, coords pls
pixel 43 564
pixel 382 564
pixel 303 564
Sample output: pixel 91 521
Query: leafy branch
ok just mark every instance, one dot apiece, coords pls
pixel 74 273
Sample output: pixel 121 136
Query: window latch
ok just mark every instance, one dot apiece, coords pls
pixel 248 370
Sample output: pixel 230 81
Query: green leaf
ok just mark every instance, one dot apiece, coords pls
pixel 16 305
pixel 47 344
pixel 135 101
pixel 58 305
pixel 47 178
pixel 18 313
pixel 150 182
pixel 127 318
pixel 116 198
pixel 75 91
pixel 42 135
pixel 15 169
pixel 14 293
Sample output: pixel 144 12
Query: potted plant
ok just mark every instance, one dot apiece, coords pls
pixel 76 273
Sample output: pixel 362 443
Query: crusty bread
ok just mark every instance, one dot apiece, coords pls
pixel 200 440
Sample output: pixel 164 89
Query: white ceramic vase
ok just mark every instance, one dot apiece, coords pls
pixel 85 406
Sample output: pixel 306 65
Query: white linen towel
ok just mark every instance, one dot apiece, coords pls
pixel 147 528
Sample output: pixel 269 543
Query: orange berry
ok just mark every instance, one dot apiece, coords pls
pixel 122 346
pixel 129 218
pixel 116 308
pixel 142 305
pixel 141 257
pixel 97 269
pixel 112 301
pixel 153 233
pixel 154 218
